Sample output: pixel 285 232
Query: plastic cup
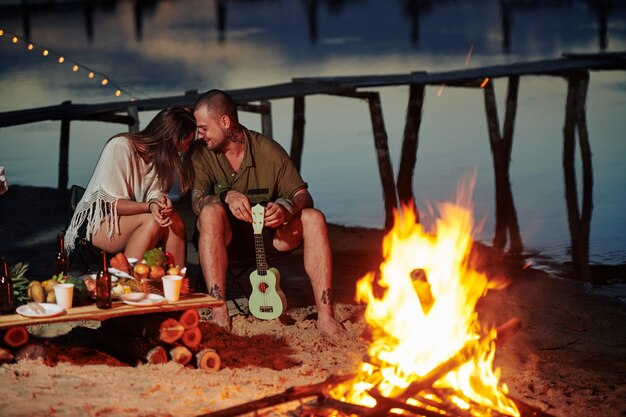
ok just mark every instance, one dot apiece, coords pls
pixel 171 287
pixel 64 294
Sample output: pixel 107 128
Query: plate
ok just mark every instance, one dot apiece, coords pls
pixel 142 299
pixel 120 274
pixel 51 310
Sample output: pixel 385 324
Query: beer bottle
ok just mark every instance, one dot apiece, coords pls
pixel 60 262
pixel 7 303
pixel 103 285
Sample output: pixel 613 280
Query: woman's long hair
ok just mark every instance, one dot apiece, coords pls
pixel 157 143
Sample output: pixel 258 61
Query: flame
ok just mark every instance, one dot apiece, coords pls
pixel 421 311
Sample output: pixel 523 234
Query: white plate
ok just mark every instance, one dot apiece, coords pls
pixel 120 274
pixel 50 310
pixel 142 299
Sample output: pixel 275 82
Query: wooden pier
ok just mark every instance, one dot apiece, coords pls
pixel 574 68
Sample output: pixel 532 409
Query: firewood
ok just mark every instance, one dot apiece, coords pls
pixel 154 327
pixel 5 355
pixel 188 318
pixel 129 349
pixel 462 356
pixel 209 360
pixel 31 350
pixel 15 336
pixel 192 338
pixel 290 394
pixel 180 354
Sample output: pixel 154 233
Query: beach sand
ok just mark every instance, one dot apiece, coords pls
pixel 568 359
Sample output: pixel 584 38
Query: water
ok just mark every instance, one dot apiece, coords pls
pixel 162 48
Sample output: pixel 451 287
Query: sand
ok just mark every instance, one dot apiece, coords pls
pixel 568 359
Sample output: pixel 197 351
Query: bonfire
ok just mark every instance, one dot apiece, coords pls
pixel 427 347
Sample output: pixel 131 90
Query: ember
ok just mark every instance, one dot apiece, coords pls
pixel 428 349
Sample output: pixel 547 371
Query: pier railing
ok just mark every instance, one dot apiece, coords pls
pixel 574 68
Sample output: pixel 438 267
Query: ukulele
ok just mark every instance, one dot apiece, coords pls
pixel 267 301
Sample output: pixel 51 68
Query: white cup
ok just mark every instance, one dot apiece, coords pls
pixel 64 294
pixel 171 287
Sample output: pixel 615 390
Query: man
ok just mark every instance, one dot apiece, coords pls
pixel 235 170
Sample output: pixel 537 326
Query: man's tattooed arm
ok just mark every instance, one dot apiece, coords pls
pixel 200 198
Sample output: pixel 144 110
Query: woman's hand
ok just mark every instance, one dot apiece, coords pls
pixel 161 209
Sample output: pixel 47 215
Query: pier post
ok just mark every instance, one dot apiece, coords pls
pixel 134 114
pixel 297 139
pixel 408 156
pixel 64 147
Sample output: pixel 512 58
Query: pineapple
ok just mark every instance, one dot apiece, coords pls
pixel 20 283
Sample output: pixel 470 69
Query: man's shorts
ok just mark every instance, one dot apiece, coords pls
pixel 242 244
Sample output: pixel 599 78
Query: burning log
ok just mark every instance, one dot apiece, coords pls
pixel 208 360
pixel 462 356
pixel 154 327
pixel 15 336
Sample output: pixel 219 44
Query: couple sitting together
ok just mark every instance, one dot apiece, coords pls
pixel 126 207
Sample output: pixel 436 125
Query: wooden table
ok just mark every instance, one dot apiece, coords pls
pixel 91 312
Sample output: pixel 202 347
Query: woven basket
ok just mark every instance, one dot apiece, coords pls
pixel 153 286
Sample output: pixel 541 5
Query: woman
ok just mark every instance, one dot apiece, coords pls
pixel 125 206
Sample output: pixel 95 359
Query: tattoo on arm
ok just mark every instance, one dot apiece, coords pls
pixel 200 198
pixel 216 292
pixel 326 296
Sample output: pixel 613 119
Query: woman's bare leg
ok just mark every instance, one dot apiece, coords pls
pixel 138 233
pixel 176 239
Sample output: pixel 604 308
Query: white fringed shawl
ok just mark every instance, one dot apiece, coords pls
pixel 120 174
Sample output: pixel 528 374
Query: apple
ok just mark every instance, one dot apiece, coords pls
pixel 173 270
pixel 157 272
pixel 141 271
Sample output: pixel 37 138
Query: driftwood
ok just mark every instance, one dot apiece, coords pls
pixel 6 355
pixel 209 360
pixel 15 336
pixel 291 394
pixel 154 327
pixel 130 349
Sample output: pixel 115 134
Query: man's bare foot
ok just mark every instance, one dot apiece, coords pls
pixel 330 326
pixel 220 316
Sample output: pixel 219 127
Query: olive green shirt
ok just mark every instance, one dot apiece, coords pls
pixel 266 172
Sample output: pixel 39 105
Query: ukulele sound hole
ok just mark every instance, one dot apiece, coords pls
pixel 263 287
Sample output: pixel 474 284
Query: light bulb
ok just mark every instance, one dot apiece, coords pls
pixel 90 74
pixel 75 68
pixel 1 32
pixel 61 59
pixel 105 81
pixel 15 39
pixel 118 93
pixel 30 47
pixel 45 52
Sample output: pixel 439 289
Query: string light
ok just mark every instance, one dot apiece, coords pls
pixel 76 66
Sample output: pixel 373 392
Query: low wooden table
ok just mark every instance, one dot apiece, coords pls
pixel 91 312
